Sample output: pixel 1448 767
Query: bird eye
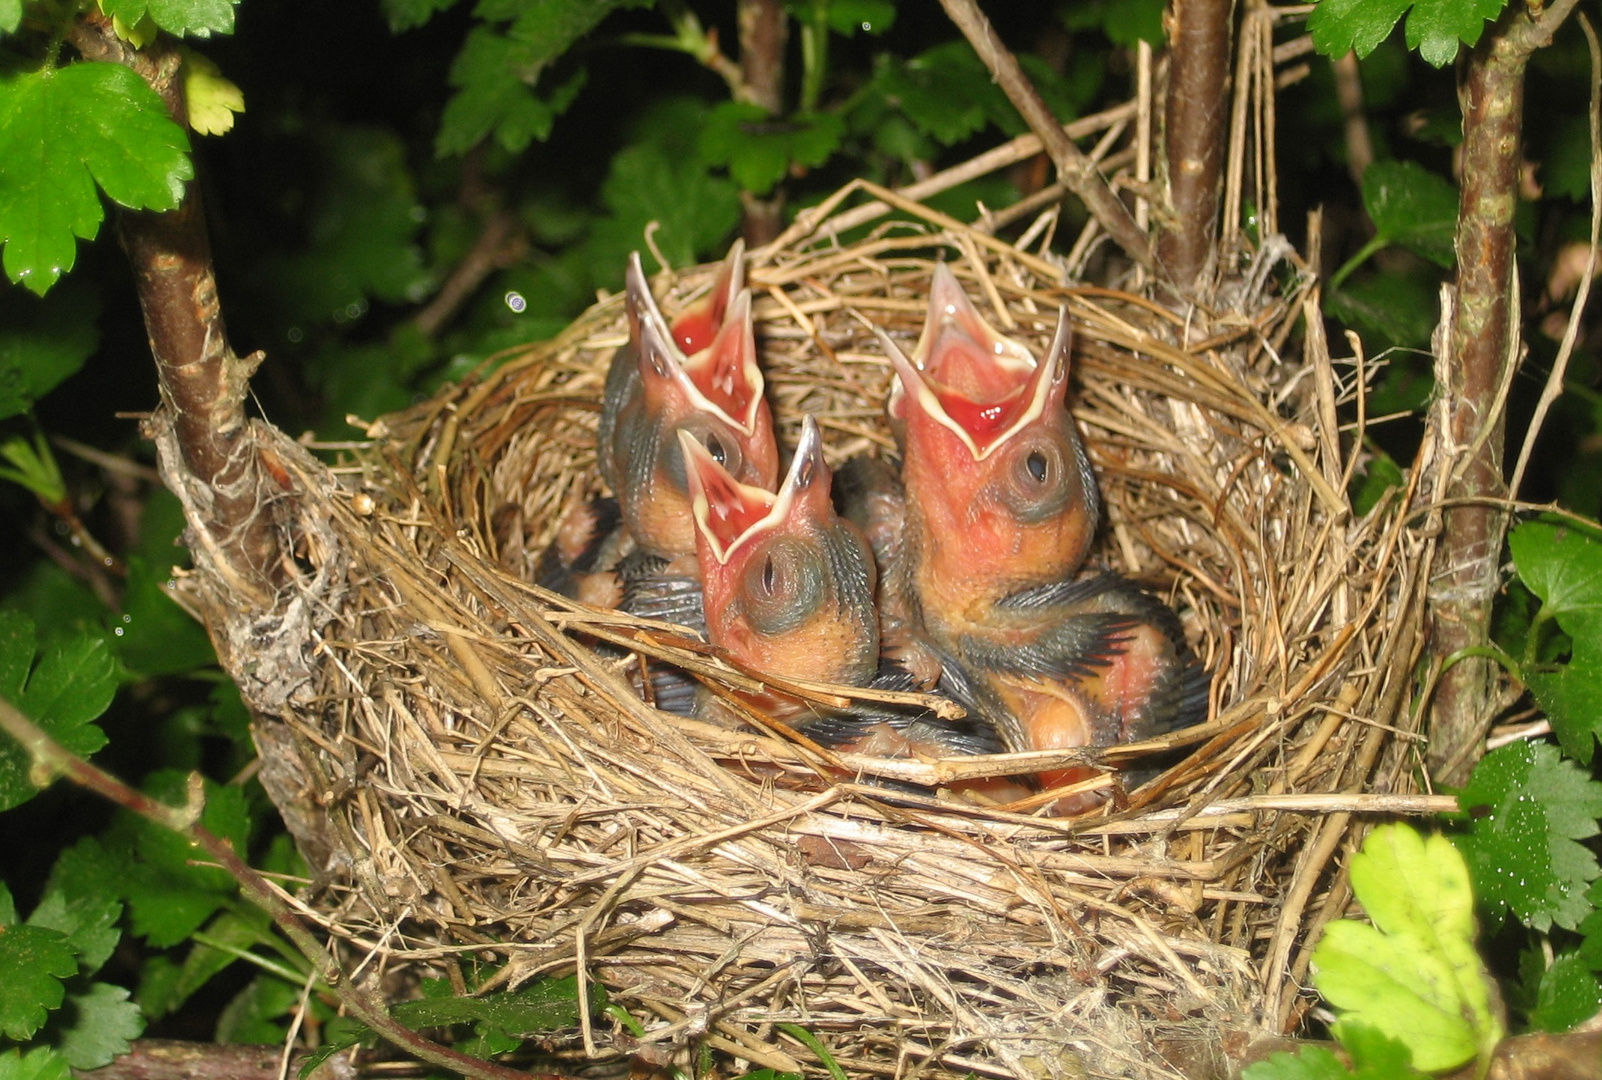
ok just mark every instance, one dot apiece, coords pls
pixel 714 446
pixel 784 586
pixel 1036 464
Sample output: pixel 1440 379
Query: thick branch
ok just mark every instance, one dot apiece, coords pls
pixel 203 384
pixel 1484 345
pixel 1193 134
pixel 764 29
pixel 170 1059
pixel 1073 167
pixel 500 243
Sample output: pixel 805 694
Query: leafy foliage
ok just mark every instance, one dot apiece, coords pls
pixel 1563 567
pixel 69 687
pixel 62 132
pixel 1413 974
pixel 197 18
pixel 1375 1056
pixel 1528 809
pixel 1413 207
pixel 1434 27
pixel 42 342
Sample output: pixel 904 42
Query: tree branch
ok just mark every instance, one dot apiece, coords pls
pixel 203 383
pixel 764 30
pixel 1484 345
pixel 1073 167
pixel 1193 134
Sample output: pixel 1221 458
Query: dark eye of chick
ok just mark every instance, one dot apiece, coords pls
pixel 768 575
pixel 1036 463
pixel 714 446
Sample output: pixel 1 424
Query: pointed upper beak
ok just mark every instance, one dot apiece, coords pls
pixel 993 397
pixel 720 376
pixel 730 515
pixel 971 379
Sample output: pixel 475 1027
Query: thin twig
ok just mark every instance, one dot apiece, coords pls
pixel 1073 167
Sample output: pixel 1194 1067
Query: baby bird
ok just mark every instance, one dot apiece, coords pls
pixel 1000 511
pixel 699 376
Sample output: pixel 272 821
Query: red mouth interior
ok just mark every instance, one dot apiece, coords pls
pixel 694 330
pixel 730 514
pixel 974 387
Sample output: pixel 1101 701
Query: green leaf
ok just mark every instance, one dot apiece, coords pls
pixel 1571 697
pixel 759 149
pixel 97 1026
pixel 33 961
pixel 8 906
pixel 406 14
pixel 40 1063
pixel 1435 27
pixel 943 91
pixel 181 18
pixel 545 1006
pixel 1562 566
pixel 72 685
pixel 1527 808
pixel 89 922
pixel 61 133
pixel 1341 26
pixel 10 16
pixel 1413 207
pixel 248 1017
pixel 696 209
pixel 1591 929
pixel 498 68
pixel 42 342
pixel 869 16
pixel 154 636
pixel 168 895
pixel 1569 995
pixel 1309 1063
pixel 1414 974
pixel 1389 308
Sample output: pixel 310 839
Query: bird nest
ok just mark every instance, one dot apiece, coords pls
pixel 466 762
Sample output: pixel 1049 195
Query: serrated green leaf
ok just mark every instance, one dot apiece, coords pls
pixel 1341 26
pixel 18 643
pixel 43 341
pixel 168 895
pixel 1527 807
pixel 249 1016
pixel 61 133
pixel 1569 995
pixel 406 14
pixel 1309 1063
pixel 545 1006
pixel 181 18
pixel 759 150
pixel 1389 308
pixel 696 210
pixel 1571 697
pixel 1413 207
pixel 1562 566
pixel 1435 27
pixel 33 961
pixel 941 92
pixel 70 687
pixel 363 226
pixel 89 923
pixel 96 1026
pixel 1414 974
pixel 498 68
pixel 40 1063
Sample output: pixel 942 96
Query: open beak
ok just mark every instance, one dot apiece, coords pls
pixel 720 377
pixel 730 515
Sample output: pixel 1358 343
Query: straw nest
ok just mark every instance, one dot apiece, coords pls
pixel 476 781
